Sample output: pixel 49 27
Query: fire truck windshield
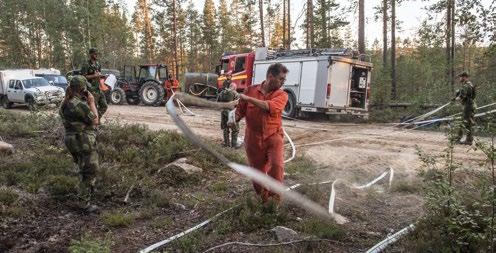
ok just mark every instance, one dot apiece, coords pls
pixel 240 64
pixel 225 65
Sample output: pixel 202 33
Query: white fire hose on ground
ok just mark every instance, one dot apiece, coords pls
pixel 263 179
pixel 288 189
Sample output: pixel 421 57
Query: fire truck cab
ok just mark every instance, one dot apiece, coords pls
pixel 240 66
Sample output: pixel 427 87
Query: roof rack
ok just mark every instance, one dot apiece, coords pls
pixel 344 52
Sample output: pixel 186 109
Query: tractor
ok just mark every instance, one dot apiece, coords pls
pixel 144 83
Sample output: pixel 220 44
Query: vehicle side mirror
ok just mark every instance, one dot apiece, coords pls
pixel 50 82
pixel 218 70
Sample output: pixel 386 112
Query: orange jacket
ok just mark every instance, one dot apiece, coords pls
pixel 261 123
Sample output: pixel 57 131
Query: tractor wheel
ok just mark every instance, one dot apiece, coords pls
pixel 6 103
pixel 290 108
pixel 117 96
pixel 132 100
pixel 151 93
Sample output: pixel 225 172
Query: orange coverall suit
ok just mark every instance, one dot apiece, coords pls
pixel 264 138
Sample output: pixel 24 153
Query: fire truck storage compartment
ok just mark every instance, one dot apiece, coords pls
pixel 306 79
pixel 339 80
pixel 358 89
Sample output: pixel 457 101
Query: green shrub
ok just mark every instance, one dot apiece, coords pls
pixel 88 245
pixel 7 196
pixel 322 229
pixel 60 187
pixel 118 219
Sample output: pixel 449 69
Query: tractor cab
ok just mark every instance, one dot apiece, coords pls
pixel 145 83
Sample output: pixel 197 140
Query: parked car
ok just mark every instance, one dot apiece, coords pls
pixel 22 87
pixel 56 80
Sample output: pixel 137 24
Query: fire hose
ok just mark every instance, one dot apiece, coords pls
pixel 260 178
pixel 275 186
pixel 202 91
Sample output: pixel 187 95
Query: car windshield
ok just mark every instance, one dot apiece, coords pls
pixel 37 82
pixel 56 79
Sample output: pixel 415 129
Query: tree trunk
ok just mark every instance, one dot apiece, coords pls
pixel 284 23
pixel 452 53
pixel 260 5
pixel 289 25
pixel 448 43
pixel 174 33
pixel 394 94
pixel 309 25
pixel 361 27
pixel 384 33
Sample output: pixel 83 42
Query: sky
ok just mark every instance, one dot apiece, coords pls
pixel 409 13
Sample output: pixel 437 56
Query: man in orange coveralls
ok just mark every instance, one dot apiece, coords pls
pixel 262 106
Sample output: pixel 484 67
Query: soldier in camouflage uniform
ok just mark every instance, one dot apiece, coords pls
pixel 227 83
pixel 91 70
pixel 80 117
pixel 466 95
pixel 229 94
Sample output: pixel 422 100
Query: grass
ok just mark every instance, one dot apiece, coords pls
pixel 406 186
pixel 118 219
pixel 60 187
pixel 7 196
pixel 321 229
pixel 133 155
pixel 89 245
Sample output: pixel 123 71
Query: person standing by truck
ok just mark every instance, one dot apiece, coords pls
pixel 262 106
pixel 92 71
pixel 466 95
pixel 80 118
pixel 229 94
pixel 227 83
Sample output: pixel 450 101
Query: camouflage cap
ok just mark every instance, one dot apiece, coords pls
pixel 78 83
pixel 463 74
pixel 93 51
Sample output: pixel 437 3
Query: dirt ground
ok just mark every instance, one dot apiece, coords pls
pixel 356 153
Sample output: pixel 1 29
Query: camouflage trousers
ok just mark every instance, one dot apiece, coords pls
pixel 100 101
pixel 467 122
pixel 82 147
pixel 233 131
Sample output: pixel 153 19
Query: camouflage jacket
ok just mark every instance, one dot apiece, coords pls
pixel 89 68
pixel 77 116
pixel 226 84
pixel 227 95
pixel 467 93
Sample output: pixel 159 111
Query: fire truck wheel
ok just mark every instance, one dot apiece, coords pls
pixel 151 93
pixel 290 108
pixel 117 96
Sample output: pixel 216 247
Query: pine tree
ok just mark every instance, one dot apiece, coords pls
pixel 209 31
pixel 144 28
pixel 326 19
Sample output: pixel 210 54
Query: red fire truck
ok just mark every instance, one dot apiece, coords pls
pixel 330 81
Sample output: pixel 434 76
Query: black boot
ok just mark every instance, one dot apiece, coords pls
pixel 226 138
pixel 234 140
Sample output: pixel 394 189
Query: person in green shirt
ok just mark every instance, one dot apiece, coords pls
pixel 229 94
pixel 80 118
pixel 91 69
pixel 466 96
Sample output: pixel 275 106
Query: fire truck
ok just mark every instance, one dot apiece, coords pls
pixel 330 81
